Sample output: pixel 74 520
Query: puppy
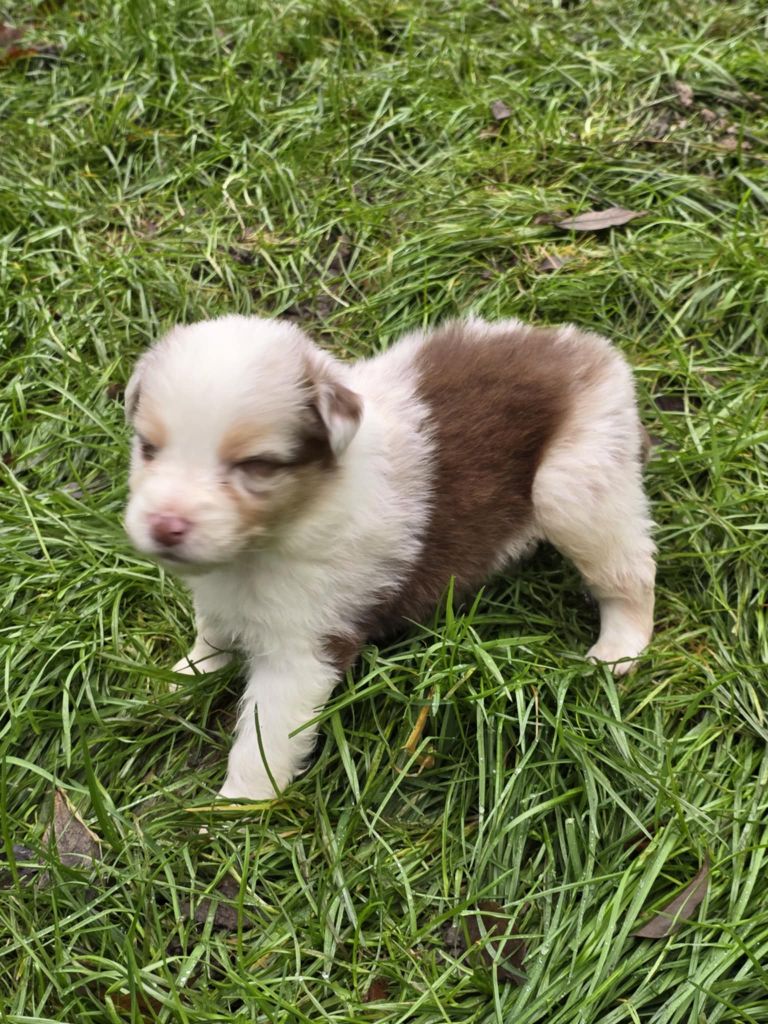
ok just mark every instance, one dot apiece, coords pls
pixel 311 504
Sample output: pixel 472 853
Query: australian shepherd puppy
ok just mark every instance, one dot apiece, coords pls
pixel 311 504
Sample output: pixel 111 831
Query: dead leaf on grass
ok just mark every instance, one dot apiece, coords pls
pixel 684 94
pixel 551 217
pixel 550 263
pixel 146 228
pixel 500 110
pixel 486 930
pixel 13 47
pixel 242 256
pixel 225 916
pixel 599 220
pixel 731 143
pixel 9 34
pixel 680 909
pixel 378 991
pixel 75 843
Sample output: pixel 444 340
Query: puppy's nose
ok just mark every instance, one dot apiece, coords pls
pixel 168 530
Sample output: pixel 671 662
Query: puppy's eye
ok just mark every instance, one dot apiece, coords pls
pixel 259 466
pixel 148 450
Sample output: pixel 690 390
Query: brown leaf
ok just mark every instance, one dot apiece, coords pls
pixel 147 228
pixel 9 34
pixel 500 110
pixel 684 94
pixel 731 143
pixel 122 1002
pixel 487 928
pixel 680 909
pixel 225 916
pixel 242 256
pixel 378 991
pixel 553 217
pixel 76 844
pixel 599 220
pixel 550 263
pixel 669 403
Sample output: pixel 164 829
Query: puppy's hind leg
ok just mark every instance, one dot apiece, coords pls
pixel 590 504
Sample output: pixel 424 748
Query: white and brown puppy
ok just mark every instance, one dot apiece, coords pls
pixel 311 504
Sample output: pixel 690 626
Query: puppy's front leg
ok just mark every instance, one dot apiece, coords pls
pixel 287 690
pixel 209 651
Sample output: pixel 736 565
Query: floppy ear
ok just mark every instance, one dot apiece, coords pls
pixel 339 408
pixel 133 390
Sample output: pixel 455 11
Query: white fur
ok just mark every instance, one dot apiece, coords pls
pixel 279 600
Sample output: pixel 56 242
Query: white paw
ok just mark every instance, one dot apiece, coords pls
pixel 184 668
pixel 260 791
pixel 621 654
pixel 194 664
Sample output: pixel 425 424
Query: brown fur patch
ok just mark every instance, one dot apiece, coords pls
pixel 148 423
pixel 341 650
pixel 241 441
pixel 245 440
pixel 495 401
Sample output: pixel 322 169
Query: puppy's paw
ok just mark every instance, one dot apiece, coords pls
pixel 261 791
pixel 194 664
pixel 620 653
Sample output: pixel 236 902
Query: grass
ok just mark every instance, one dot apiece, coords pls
pixel 336 161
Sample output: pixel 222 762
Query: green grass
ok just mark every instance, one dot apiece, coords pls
pixel 173 159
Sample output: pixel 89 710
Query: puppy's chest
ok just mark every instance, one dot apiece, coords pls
pixel 273 606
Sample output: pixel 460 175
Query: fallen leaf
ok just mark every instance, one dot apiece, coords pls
pixel 341 254
pixel 669 403
pixel 680 909
pixel 378 991
pixel 241 256
pixel 731 143
pixel 147 228
pixel 225 916
pixel 684 94
pixel 9 34
pixel 485 929
pixel 707 115
pixel 599 220
pixel 76 844
pixel 500 110
pixel 141 1002
pixel 550 263
pixel 553 217
pixel 27 865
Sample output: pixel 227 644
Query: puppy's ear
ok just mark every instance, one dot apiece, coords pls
pixel 339 409
pixel 133 389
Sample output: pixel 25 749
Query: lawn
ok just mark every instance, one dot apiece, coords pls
pixel 338 162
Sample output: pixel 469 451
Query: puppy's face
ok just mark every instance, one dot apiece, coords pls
pixel 238 423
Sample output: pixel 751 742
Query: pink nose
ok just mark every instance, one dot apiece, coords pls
pixel 168 530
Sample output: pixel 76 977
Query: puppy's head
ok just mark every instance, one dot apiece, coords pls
pixel 238 422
